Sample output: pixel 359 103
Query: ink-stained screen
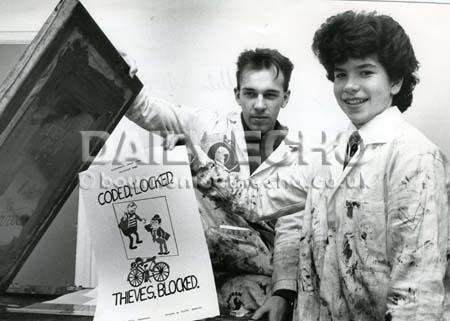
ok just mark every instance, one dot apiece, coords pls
pixel 70 79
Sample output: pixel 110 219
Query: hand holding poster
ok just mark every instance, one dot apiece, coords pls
pixel 152 258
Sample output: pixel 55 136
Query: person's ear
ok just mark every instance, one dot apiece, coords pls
pixel 396 86
pixel 286 96
pixel 237 95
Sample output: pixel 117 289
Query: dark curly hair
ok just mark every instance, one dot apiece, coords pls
pixel 264 58
pixel 360 34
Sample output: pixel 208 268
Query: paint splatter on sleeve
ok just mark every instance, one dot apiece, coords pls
pixel 417 238
pixel 286 252
pixel 281 194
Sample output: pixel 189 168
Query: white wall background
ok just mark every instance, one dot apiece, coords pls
pixel 186 50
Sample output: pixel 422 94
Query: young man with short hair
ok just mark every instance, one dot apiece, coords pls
pixel 374 237
pixel 250 143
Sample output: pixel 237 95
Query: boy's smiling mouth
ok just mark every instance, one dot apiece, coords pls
pixel 355 101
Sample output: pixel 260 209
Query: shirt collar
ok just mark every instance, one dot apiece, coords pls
pixel 380 129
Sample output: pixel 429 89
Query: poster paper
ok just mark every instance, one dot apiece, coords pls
pixel 152 258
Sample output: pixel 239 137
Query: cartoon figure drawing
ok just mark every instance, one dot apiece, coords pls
pixel 221 155
pixel 129 225
pixel 143 270
pixel 236 306
pixel 158 234
pixel 224 154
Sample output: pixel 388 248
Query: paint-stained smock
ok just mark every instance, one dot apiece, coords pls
pixel 259 249
pixel 374 237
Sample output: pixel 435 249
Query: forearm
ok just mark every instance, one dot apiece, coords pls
pixel 279 195
pixel 157 115
pixel 286 252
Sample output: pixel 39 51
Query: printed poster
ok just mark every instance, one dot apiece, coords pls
pixel 151 254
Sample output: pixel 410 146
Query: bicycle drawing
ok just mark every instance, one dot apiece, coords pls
pixel 143 270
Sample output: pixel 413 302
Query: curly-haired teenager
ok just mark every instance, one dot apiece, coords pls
pixel 373 240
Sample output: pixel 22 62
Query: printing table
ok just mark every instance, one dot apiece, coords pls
pixel 27 299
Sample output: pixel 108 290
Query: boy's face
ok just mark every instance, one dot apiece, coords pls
pixel 261 96
pixel 363 89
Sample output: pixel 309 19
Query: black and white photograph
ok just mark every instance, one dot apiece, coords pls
pixel 316 134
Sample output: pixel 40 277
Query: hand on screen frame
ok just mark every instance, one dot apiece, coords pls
pixel 130 61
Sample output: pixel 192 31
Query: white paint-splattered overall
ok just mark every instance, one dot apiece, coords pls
pixel 237 252
pixel 374 236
